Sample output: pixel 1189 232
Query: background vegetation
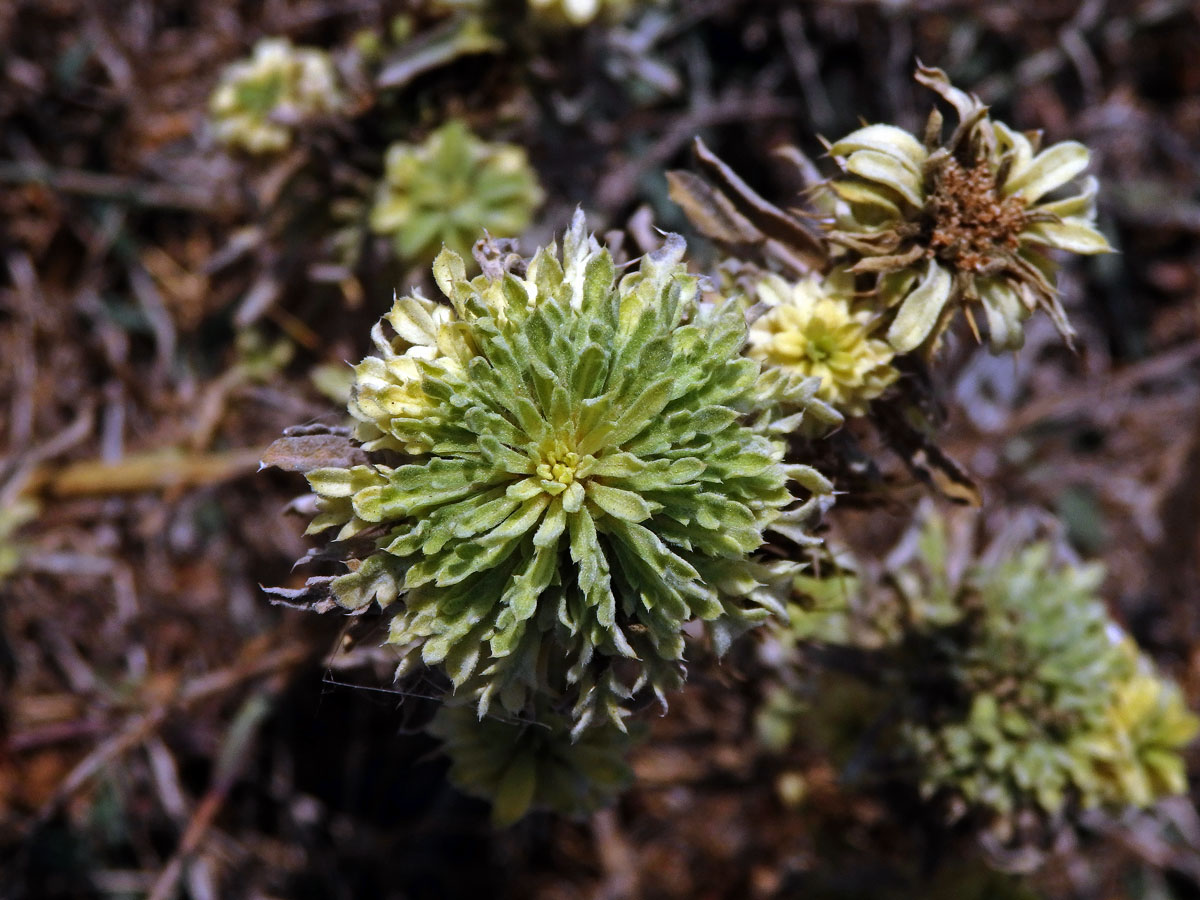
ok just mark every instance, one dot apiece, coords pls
pixel 168 307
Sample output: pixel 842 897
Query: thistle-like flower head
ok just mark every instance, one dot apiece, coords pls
pixel 965 221
pixel 448 189
pixel 811 327
pixel 524 765
pixel 592 462
pixel 260 100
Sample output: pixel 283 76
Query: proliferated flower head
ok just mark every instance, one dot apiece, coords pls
pixel 260 100
pixel 1024 700
pixel 523 765
pixel 387 385
pixel 592 464
pixel 811 327
pixel 449 189
pixel 967 221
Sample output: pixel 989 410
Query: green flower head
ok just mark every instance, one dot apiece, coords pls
pixel 524 765
pixel 590 464
pixel 260 100
pixel 448 189
pixel 1030 695
pixel 963 222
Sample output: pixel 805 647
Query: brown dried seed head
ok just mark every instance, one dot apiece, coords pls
pixel 969 223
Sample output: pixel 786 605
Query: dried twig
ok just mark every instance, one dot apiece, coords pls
pixel 139 727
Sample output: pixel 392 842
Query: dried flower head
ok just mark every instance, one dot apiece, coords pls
pixel 969 220
pixel 592 463
pixel 523 765
pixel 260 100
pixel 811 327
pixel 447 190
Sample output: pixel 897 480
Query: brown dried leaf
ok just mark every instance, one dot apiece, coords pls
pixel 313 597
pixel 301 453
pixel 766 217
pixel 710 211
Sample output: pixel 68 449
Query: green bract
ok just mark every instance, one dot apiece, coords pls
pixel 449 189
pixel 591 464
pixel 519 765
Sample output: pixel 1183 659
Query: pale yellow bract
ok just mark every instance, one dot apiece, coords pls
pixel 577 12
pixel 1136 758
pixel 387 385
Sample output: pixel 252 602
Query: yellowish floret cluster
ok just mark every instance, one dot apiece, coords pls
pixel 811 327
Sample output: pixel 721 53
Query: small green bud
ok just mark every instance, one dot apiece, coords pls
pixel 524 765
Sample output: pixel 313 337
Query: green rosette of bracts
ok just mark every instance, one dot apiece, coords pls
pixel 568 467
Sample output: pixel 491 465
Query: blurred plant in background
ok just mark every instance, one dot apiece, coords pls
pixel 998 678
pixel 260 101
pixel 446 190
pixel 1035 675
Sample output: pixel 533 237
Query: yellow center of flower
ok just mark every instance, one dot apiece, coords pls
pixel 562 471
pixel 558 465
pixel 822 345
pixel 796 341
pixel 969 223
